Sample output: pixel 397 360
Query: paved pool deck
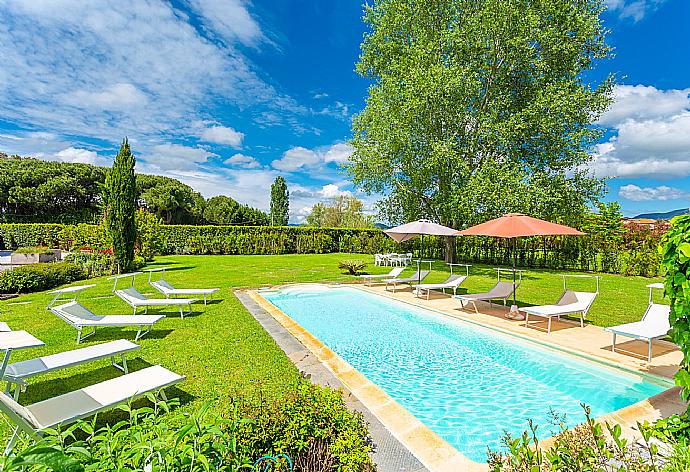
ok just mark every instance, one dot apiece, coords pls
pixel 434 453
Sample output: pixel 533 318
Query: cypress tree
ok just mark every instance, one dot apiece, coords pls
pixel 280 202
pixel 119 195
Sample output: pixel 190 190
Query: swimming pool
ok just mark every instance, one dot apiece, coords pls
pixel 466 383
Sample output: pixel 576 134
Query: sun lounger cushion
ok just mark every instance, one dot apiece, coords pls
pixel 501 290
pixel 136 298
pixel 413 278
pixel 45 364
pixel 92 399
pixel 165 288
pixel 78 315
pixel 654 324
pixel 450 282
pixel 571 302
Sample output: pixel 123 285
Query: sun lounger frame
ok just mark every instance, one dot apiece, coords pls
pixel 583 312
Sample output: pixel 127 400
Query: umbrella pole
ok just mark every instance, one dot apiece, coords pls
pixel 419 266
pixel 514 266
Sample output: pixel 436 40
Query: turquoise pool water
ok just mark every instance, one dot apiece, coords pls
pixel 466 383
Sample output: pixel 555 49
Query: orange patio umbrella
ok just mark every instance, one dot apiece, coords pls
pixel 516 225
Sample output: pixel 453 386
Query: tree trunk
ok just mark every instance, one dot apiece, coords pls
pixel 450 249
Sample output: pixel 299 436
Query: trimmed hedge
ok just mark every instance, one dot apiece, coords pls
pixel 43 276
pixel 185 239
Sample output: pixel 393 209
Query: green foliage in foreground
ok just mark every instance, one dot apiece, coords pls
pixel 590 446
pixel 675 253
pixel 42 276
pixel 310 425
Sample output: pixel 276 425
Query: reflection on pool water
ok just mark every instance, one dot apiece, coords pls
pixel 466 383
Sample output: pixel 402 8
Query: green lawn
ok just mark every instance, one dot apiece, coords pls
pixel 221 349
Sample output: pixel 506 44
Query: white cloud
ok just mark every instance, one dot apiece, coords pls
pixel 651 134
pixel 230 19
pixel 83 156
pixel 173 157
pixel 336 110
pixel 332 191
pixel 635 10
pixel 240 160
pixel 640 103
pixel 300 158
pixel 296 158
pixel 339 153
pixel 662 193
pixel 222 135
pixel 115 97
pixel 105 70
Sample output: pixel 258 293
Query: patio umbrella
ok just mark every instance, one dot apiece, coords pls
pixel 516 225
pixel 419 228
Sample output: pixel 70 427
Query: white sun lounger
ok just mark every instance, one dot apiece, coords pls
pixel 570 303
pixel 654 324
pixel 80 317
pixel 500 291
pixel 17 373
pixel 168 290
pixel 370 278
pixel 418 276
pixel 70 407
pixel 452 282
pixel 137 300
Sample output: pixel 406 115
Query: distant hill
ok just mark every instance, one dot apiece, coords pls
pixel 663 216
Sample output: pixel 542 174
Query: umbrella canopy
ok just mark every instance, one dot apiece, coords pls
pixel 417 228
pixel 515 225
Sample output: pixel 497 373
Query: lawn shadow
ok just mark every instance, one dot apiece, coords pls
pixel 112 334
pixel 215 301
pixel 170 266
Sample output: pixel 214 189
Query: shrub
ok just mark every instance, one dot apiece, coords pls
pixel 33 250
pixel 36 277
pixel 587 447
pixel 94 263
pixel 311 426
pixel 352 266
pixel 675 258
pixel 148 234
pixel 674 429
pixel 645 262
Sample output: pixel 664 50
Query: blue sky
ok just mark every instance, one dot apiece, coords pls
pixel 227 94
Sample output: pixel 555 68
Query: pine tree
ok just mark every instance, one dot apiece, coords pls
pixel 280 202
pixel 119 196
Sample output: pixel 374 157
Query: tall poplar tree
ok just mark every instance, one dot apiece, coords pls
pixel 280 203
pixel 467 93
pixel 119 197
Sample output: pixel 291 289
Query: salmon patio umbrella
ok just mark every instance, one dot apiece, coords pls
pixel 517 225
pixel 419 228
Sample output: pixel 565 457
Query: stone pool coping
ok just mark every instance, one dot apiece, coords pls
pixel 434 452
